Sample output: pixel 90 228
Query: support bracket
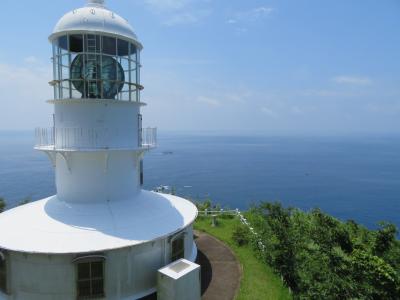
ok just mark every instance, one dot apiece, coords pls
pixel 67 158
pixel 52 156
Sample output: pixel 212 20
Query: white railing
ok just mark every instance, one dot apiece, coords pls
pixel 44 137
pixel 92 138
pixel 149 137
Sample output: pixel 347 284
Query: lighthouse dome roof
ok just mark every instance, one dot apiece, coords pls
pixel 95 17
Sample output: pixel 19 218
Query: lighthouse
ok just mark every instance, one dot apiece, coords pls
pixel 101 236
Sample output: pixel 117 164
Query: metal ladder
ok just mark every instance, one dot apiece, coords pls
pixel 92 65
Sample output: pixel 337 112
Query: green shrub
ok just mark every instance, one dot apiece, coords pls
pixel 241 235
pixel 2 204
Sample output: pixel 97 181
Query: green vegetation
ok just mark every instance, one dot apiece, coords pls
pixel 259 281
pixel 2 204
pixel 320 257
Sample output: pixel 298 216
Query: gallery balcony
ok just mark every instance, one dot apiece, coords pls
pixel 94 139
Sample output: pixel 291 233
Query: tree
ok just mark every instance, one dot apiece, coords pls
pixel 385 237
pixel 25 201
pixel 375 278
pixel 2 204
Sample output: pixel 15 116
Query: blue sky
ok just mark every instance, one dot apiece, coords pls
pixel 279 67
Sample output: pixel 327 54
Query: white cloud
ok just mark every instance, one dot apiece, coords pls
pixel 23 95
pixel 391 108
pixel 268 111
pixel 179 12
pixel 209 101
pixel 252 15
pixel 186 18
pixel 31 60
pixel 352 80
pixel 166 5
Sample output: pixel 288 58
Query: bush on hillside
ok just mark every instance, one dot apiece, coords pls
pixel 241 235
pixel 320 257
pixel 2 204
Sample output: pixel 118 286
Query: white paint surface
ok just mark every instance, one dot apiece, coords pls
pixel 179 280
pixel 95 18
pixel 57 227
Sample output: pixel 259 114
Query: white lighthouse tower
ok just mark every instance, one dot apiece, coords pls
pixel 101 236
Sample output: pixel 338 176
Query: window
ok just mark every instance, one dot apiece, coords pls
pixel 90 281
pixel 109 45
pixel 76 43
pixel 123 48
pixel 63 42
pixel 178 248
pixel 3 273
pixel 141 173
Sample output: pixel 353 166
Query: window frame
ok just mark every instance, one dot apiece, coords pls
pixel 90 259
pixel 5 272
pixel 181 253
pixel 63 56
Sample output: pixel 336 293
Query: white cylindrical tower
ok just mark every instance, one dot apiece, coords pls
pixel 102 236
pixel 96 143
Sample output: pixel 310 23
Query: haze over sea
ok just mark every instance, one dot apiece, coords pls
pixel 353 177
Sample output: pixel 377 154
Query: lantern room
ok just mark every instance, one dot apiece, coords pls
pixel 96 55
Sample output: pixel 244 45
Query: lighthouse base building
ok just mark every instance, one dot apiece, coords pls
pixel 101 236
pixel 54 250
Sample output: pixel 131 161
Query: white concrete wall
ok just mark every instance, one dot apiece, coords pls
pixel 101 124
pixel 97 176
pixel 130 272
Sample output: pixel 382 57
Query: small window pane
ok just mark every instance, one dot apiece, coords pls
pixel 133 51
pixel 97 287
pixel 123 48
pixel 84 271
pixel 84 288
pixel 3 275
pixel 178 249
pixel 97 269
pixel 76 43
pixel 63 42
pixel 109 45
pixel 90 282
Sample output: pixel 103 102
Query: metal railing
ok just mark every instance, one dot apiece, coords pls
pixel 91 138
pixel 149 137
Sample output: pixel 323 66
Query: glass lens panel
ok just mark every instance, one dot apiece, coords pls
pixel 123 48
pixel 76 43
pixel 109 45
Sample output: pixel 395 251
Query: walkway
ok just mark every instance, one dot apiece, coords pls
pixel 220 270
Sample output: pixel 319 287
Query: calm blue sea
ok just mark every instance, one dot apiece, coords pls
pixel 350 177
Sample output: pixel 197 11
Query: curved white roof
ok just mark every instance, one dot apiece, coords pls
pixel 95 17
pixel 51 226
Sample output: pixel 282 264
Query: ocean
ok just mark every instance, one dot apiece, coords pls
pixel 354 177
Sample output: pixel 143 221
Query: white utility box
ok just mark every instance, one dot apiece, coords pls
pixel 179 280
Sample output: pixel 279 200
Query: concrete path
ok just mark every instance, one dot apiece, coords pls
pixel 220 270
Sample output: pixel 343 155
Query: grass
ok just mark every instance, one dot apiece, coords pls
pixel 258 282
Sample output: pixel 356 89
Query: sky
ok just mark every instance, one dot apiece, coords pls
pixel 274 67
